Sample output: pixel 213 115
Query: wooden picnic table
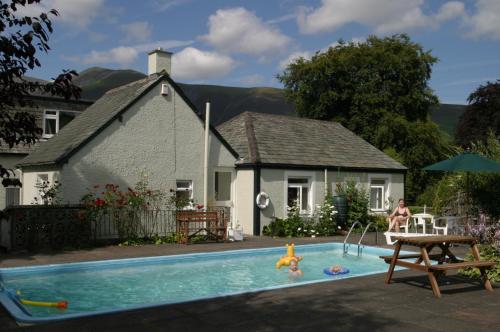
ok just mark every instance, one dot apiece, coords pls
pixel 445 259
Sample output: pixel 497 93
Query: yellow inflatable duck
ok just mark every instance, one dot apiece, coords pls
pixel 290 255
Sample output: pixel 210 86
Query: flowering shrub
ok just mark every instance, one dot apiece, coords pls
pixel 124 207
pixel 297 226
pixel 489 249
pixel 48 193
pixel 326 223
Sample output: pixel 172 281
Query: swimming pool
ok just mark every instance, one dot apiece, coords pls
pixel 117 285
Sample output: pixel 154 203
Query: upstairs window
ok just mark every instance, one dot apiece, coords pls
pixel 53 121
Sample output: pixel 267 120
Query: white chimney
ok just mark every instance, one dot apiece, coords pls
pixel 159 60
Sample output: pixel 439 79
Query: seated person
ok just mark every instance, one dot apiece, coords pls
pixel 336 268
pixel 294 270
pixel 399 216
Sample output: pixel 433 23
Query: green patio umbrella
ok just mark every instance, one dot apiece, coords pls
pixel 466 162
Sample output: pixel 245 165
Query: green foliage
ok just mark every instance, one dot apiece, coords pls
pixel 482 114
pixel 379 90
pixel 357 202
pixel 379 220
pixel 487 252
pixel 157 240
pixel 485 187
pixel 322 224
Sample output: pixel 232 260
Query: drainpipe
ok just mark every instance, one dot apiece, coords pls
pixel 326 182
pixel 256 209
pixel 205 161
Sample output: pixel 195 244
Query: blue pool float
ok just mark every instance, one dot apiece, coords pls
pixel 330 273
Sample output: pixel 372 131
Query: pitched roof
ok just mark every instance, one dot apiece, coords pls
pixel 97 117
pixel 283 140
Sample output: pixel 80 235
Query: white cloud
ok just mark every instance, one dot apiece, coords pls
pixel 139 31
pixel 78 13
pixel 384 16
pixel 163 5
pixel 238 30
pixel 252 80
pixel 485 21
pixel 125 55
pixel 194 64
pixel 294 57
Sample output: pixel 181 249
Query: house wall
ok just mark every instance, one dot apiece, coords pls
pixel 274 183
pixel 159 136
pixel 244 200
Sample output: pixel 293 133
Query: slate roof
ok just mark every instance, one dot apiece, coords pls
pixel 283 140
pixel 96 117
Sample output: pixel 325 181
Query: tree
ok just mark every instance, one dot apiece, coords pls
pixel 379 90
pixel 482 114
pixel 22 38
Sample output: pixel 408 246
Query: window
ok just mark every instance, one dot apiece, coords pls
pixel 53 121
pixel 222 186
pixel 41 179
pixel 299 193
pixel 12 195
pixel 184 190
pixel 377 194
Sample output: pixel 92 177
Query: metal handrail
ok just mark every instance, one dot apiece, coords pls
pixel 345 250
pixel 360 249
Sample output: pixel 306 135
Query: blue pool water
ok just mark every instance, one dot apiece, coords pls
pixel 108 286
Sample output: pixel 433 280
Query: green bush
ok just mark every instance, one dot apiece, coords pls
pixel 357 202
pixel 380 222
pixel 489 253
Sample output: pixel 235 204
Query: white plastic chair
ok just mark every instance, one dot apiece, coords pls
pixel 439 226
pixel 420 220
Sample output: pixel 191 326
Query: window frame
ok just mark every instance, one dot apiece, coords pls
pixel 387 178
pixel 56 117
pixel 310 177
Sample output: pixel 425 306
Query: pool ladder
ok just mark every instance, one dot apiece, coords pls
pixel 363 231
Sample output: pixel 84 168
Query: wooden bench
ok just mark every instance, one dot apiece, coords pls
pixel 387 259
pixel 461 265
pixel 205 224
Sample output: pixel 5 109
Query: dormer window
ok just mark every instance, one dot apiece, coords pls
pixel 53 121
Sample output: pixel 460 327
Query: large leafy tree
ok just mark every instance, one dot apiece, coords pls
pixel 481 116
pixel 22 38
pixel 378 89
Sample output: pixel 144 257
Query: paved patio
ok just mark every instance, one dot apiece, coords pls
pixel 356 304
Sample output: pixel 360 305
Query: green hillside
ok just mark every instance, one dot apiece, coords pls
pixel 227 102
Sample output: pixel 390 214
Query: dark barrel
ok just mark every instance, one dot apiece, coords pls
pixel 340 204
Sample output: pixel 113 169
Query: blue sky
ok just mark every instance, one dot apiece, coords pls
pixel 246 43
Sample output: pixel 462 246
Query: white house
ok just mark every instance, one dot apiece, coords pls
pixel 150 125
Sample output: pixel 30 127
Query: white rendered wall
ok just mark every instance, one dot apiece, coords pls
pixel 29 180
pixel 244 200
pixel 159 135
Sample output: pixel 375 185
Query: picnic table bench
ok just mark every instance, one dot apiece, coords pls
pixel 206 224
pixel 446 260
